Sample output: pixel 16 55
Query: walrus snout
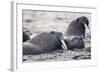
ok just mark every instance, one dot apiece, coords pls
pixel 60 37
pixel 85 21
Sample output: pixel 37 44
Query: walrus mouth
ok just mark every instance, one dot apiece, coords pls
pixel 64 46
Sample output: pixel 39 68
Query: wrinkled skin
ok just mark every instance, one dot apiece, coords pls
pixel 43 43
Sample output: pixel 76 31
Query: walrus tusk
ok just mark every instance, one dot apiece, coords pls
pixel 89 29
pixel 63 44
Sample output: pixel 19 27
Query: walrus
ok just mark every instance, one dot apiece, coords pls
pixel 77 27
pixel 74 42
pixel 44 43
pixel 25 37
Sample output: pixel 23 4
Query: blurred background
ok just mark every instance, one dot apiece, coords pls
pixel 45 21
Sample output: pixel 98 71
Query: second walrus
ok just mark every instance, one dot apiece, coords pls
pixel 77 27
pixel 44 43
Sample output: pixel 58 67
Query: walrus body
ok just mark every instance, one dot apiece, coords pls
pixel 43 43
pixel 73 42
pixel 30 49
pixel 77 27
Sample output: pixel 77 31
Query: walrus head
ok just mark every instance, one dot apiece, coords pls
pixel 84 20
pixel 58 40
